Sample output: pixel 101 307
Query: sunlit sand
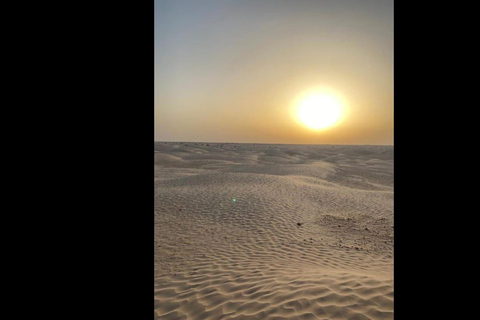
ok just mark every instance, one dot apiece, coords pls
pixel 257 231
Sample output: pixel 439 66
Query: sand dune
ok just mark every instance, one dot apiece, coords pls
pixel 228 244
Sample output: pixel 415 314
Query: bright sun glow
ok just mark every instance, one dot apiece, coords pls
pixel 319 110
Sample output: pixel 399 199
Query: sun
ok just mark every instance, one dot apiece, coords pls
pixel 320 110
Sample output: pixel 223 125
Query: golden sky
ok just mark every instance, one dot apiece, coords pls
pixel 233 70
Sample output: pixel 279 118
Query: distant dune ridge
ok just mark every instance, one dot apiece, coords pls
pixel 258 231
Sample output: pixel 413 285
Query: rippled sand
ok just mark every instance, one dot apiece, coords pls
pixel 228 244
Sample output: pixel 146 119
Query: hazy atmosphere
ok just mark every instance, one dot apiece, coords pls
pixel 274 71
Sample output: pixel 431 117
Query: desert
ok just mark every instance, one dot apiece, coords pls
pixel 273 231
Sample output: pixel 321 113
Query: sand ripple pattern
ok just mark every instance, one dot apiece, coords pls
pixel 216 258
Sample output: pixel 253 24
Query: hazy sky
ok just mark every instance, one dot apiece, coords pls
pixel 230 70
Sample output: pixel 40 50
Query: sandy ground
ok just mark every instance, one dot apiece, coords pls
pixel 248 258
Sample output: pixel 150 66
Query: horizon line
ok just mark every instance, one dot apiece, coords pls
pixel 306 144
